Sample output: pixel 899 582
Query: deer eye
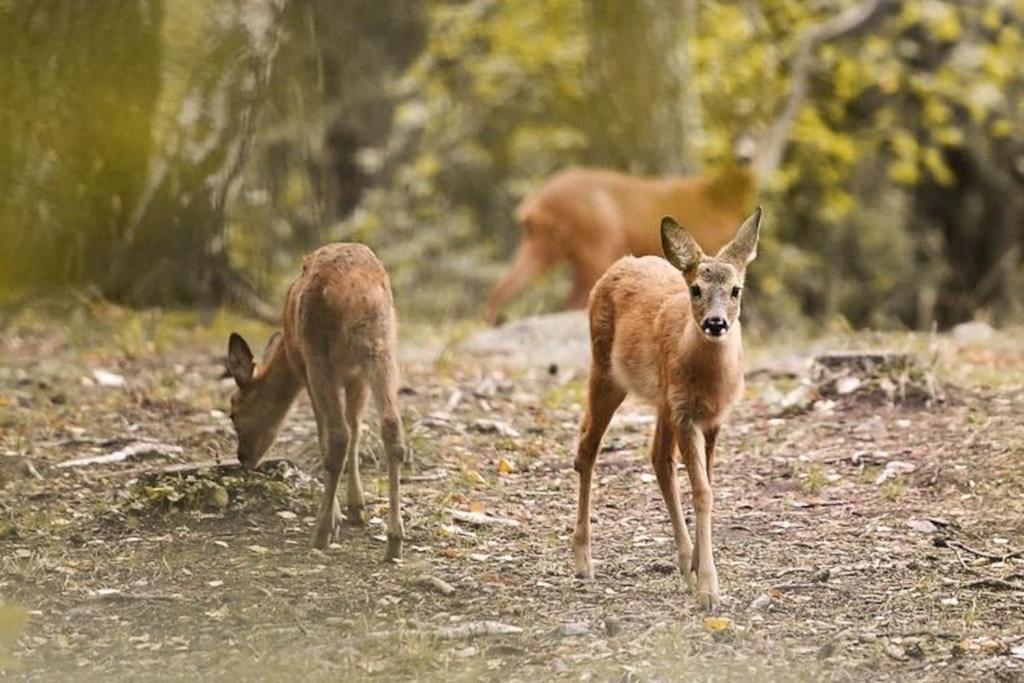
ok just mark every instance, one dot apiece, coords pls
pixel 735 292
pixel 695 291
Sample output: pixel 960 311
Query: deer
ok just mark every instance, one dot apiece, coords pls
pixel 590 217
pixel 668 330
pixel 339 335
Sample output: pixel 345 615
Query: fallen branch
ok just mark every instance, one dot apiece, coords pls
pixel 1001 584
pixel 480 518
pixel 945 542
pixel 434 583
pixel 140 450
pixel 478 628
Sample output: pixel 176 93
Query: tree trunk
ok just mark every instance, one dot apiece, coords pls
pixel 175 244
pixel 636 114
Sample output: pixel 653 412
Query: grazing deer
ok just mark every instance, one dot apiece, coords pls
pixel 339 332
pixel 592 217
pixel 673 340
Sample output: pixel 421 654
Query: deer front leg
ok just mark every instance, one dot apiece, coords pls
pixel 691 444
pixel 663 459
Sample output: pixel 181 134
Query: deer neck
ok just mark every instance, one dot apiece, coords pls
pixel 279 384
pixel 709 355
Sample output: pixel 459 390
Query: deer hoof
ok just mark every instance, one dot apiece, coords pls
pixel 394 551
pixel 355 515
pixel 709 602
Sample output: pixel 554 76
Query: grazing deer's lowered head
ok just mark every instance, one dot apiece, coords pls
pixel 674 341
pixel 265 392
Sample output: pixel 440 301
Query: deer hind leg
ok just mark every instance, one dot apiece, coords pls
pixel 385 392
pixel 603 398
pixel 663 457
pixel 355 401
pixel 334 445
pixel 531 260
pixel 691 445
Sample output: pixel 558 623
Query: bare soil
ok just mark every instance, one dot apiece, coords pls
pixel 855 539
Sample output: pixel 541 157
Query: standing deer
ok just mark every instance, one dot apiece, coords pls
pixel 339 332
pixel 591 217
pixel 674 340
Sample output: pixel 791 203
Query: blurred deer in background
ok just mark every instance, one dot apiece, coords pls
pixel 591 217
pixel 675 341
pixel 339 332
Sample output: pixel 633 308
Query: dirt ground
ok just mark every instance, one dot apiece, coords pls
pixel 857 537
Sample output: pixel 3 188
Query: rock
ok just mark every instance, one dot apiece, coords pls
pixel 924 526
pixel 572 629
pixel 892 469
pixel 761 602
pixel 847 385
pixel 106 378
pixel 974 332
pixel 487 426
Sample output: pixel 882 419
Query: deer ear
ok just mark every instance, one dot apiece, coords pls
pixel 240 360
pixel 272 344
pixel 743 247
pixel 681 250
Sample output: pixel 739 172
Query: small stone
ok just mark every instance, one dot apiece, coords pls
pixel 573 629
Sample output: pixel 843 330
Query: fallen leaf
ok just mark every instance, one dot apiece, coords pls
pixel 715 624
pixel 505 466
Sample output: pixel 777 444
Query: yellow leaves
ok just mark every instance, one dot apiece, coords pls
pixel 505 466
pixel 717 624
pixel 944 24
pixel 905 148
pixel 935 112
pixel 933 161
pixel 991 18
pixel 1002 128
pixel 475 478
pixel 905 171
pixel 948 136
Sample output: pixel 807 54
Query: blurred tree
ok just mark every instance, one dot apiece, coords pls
pixel 125 170
pixel 193 178
pixel 636 103
pixel 80 84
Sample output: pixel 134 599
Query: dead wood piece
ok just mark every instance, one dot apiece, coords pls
pixel 434 583
pixel 478 628
pixel 1000 584
pixel 480 518
pixel 116 595
pixel 949 543
pixel 140 450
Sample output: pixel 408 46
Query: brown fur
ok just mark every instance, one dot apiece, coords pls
pixel 591 217
pixel 649 336
pixel 339 333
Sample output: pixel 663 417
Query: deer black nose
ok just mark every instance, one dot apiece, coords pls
pixel 716 327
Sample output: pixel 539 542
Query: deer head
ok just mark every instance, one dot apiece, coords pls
pixel 715 283
pixel 256 412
